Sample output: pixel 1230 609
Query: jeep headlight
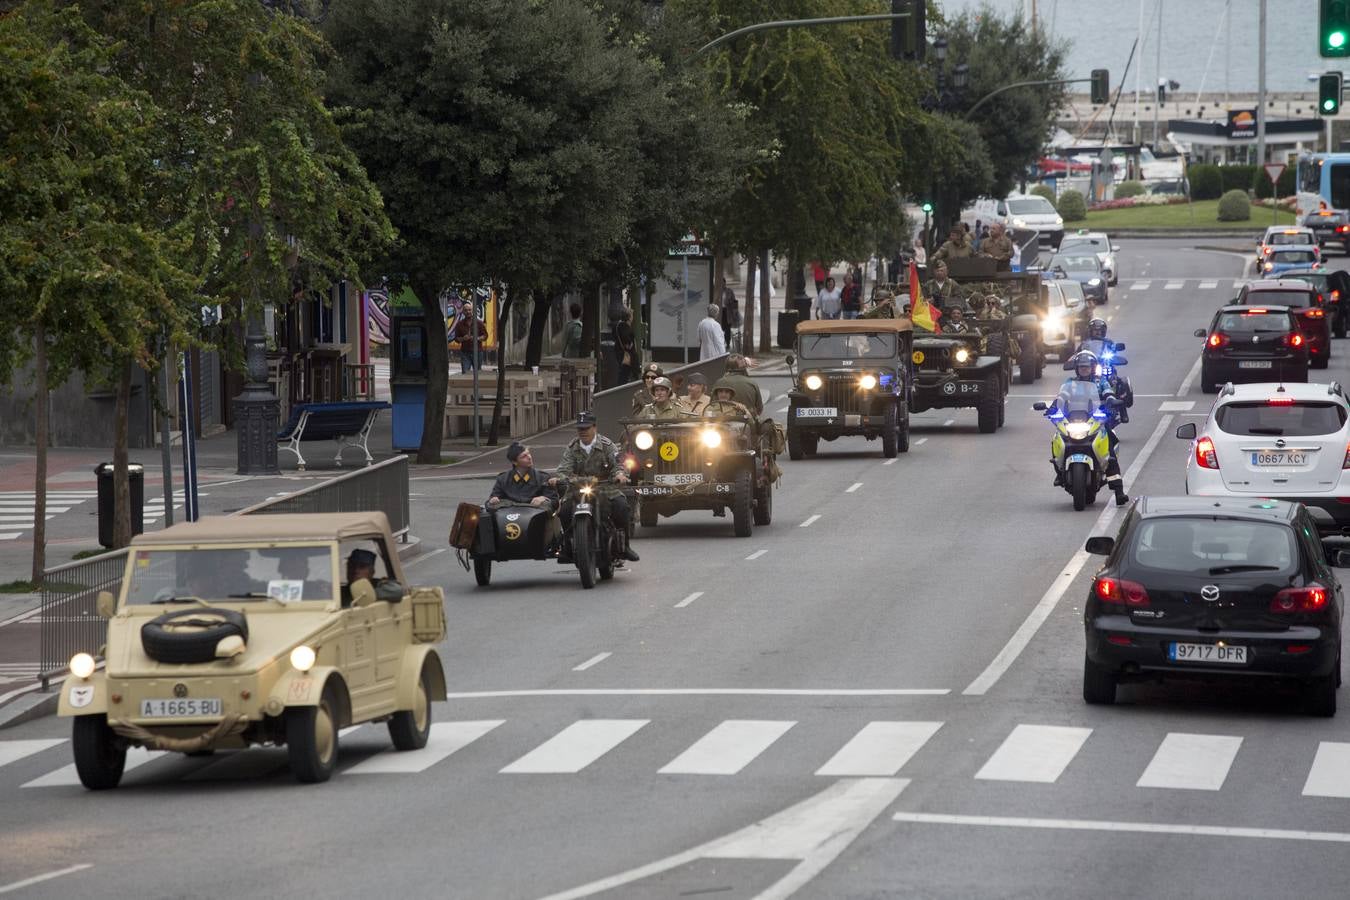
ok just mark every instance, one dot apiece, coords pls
pixel 712 437
pixel 813 382
pixel 1078 430
pixel 303 658
pixel 643 440
pixel 82 665
pixel 868 382
pixel 962 355
pixel 1093 282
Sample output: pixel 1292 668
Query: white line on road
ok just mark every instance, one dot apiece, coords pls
pixel 1208 285
pixel 47 876
pixel 1196 762
pixel 576 746
pixel 1037 753
pixel 1275 834
pixel 1174 285
pixel 916 443
pixel 948 423
pixel 425 556
pixel 879 749
pixel 593 661
pixel 1186 383
pixel 690 599
pixel 66 776
pixel 1330 772
pixel 756 555
pixel 1027 630
pixel 1176 406
pixel 729 747
pixel 445 738
pixel 853 487
pixel 808 522
pixel 892 461
pixel 703 692
pixel 12 751
pixel 1141 285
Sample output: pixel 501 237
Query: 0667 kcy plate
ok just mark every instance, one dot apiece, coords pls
pixel 1280 457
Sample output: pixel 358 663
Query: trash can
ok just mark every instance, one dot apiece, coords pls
pixel 106 504
pixel 803 309
pixel 787 329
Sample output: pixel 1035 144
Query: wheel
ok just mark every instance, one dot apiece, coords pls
pixel 810 443
pixel 1338 325
pixel 1321 362
pixel 1040 362
pixel 742 514
pixel 1099 684
pixel 1300 377
pixel 1078 479
pixel 795 448
pixel 583 552
pixel 1002 411
pixel 408 728
pixel 990 405
pixel 890 433
pixel 902 438
pixel 100 754
pixel 647 515
pixel 1320 700
pixel 312 738
pixel 604 558
pixel 482 570
pixel 1026 372
pixel 764 505
pixel 1207 384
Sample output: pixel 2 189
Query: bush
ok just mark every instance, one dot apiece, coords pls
pixel 1127 189
pixel 1206 182
pixel 1234 207
pixel 1240 178
pixel 1043 190
pixel 1284 187
pixel 1072 206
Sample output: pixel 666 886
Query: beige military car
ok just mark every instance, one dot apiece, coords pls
pixel 270 629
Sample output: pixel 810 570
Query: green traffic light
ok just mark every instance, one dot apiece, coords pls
pixel 1329 105
pixel 928 207
pixel 1336 40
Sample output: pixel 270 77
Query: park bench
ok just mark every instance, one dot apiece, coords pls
pixel 347 423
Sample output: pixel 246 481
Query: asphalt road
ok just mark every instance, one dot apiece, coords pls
pixel 876 696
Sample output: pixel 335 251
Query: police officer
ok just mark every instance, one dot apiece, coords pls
pixel 999 247
pixel 957 246
pixel 596 456
pixel 737 377
pixel 1085 369
pixel 664 405
pixel 522 483
pixel 643 395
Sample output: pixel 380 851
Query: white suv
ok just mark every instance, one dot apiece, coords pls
pixel 1284 441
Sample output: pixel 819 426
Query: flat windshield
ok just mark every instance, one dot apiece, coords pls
pixel 1294 256
pixel 1074 243
pixel 1298 237
pixel 290 573
pixel 1197 546
pixel 1280 420
pixel 1031 206
pixel 1078 397
pixel 1253 322
pixel 1291 297
pixel 847 346
pixel 1075 263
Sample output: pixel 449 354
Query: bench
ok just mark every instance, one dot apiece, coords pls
pixel 347 423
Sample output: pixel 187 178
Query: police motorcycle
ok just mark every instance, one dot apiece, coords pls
pixel 596 545
pixel 1081 448
pixel 1108 358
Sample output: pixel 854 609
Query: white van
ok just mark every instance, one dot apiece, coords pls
pixel 1028 211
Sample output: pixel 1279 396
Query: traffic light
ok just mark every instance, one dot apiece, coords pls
pixel 1329 94
pixel 927 208
pixel 909 36
pixel 1162 91
pixel 1333 28
pixel 1101 86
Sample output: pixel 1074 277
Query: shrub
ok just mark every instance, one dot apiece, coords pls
pixel 1127 189
pixel 1239 178
pixel 1072 206
pixel 1234 207
pixel 1284 187
pixel 1206 182
pixel 1043 190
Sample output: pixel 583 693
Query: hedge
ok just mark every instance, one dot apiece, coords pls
pixel 1206 182
pixel 1043 190
pixel 1240 178
pixel 1234 207
pixel 1072 207
pixel 1129 189
pixel 1285 186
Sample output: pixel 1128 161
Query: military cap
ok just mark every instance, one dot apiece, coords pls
pixel 361 558
pixel 696 378
pixel 585 419
pixel 664 382
pixel 653 369
pixel 724 385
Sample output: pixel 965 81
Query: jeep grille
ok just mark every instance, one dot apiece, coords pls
pixel 936 360
pixel 841 391
pixel 693 455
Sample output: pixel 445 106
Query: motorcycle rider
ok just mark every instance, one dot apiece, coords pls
pixel 1085 369
pixel 1098 343
pixel 664 405
pixel 595 455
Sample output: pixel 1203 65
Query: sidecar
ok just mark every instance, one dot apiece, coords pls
pixel 506 532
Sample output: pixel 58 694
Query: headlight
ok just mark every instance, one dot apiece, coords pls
pixel 1019 223
pixel 1078 430
pixel 302 658
pixel 586 490
pixel 1093 282
pixel 867 382
pixel 1059 220
pixel 814 382
pixel 643 440
pixel 82 665
pixel 712 437
pixel 962 355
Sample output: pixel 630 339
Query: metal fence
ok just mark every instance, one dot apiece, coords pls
pixel 68 619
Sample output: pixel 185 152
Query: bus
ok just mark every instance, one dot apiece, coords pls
pixel 1323 182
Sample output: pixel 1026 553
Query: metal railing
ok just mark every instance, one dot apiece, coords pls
pixel 68 619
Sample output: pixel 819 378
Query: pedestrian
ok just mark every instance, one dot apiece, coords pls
pixel 625 345
pixel 850 298
pixel 463 332
pixel 572 333
pixel 827 301
pixel 711 343
pixel 731 310
pixel 697 398
pixel 820 273
pixel 920 257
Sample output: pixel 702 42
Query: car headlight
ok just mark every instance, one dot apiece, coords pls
pixel 1019 223
pixel 712 437
pixel 1093 282
pixel 82 665
pixel 867 382
pixel 586 490
pixel 814 382
pixel 643 440
pixel 962 355
pixel 303 658
pixel 1078 430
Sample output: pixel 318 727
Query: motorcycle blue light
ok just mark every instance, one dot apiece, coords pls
pixel 1099 414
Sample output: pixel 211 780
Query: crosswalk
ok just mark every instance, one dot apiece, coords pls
pixel 1183 284
pixel 18 512
pixel 1030 753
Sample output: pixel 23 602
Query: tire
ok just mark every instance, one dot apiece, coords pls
pixel 482 570
pixel 1078 487
pixel 1300 377
pixel 764 506
pixel 1207 384
pixel 795 449
pixel 584 554
pixel 902 440
pixel 1026 373
pixel 742 512
pixel 890 433
pixel 100 754
pixel 409 728
pixel 1320 363
pixel 990 405
pixel 1320 700
pixel 647 515
pixel 810 443
pixel 312 738
pixel 1040 362
pixel 1338 326
pixel 1002 411
pixel 1099 684
pixel 163 643
pixel 604 559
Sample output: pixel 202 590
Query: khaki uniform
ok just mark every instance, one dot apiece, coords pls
pixel 602 463
pixel 719 408
pixel 673 408
pixel 1000 249
pixel 641 397
pixel 699 406
pixel 952 250
pixel 948 293
pixel 746 390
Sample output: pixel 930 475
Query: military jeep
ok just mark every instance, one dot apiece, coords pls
pixel 854 378
pixel 1024 298
pixel 232 632
pixel 964 369
pixel 700 463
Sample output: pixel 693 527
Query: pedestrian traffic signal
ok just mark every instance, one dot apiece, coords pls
pixel 927 208
pixel 1101 86
pixel 1329 94
pixel 909 36
pixel 1333 31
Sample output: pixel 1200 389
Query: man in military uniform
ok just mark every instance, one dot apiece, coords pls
pixel 954 321
pixel 957 246
pixel 941 291
pixel 361 564
pixel 664 405
pixel 697 399
pixel 643 395
pixel 594 455
pixel 737 377
pixel 725 403
pixel 522 483
pixel 999 247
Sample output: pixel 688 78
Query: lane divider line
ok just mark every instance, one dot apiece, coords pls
pixel 702 692
pixel 853 487
pixel 593 661
pixel 809 521
pixel 690 599
pixel 1193 374
pixel 1275 834
pixel 917 443
pixel 756 555
pixel 46 876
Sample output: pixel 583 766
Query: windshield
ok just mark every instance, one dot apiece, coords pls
pixel 1289 297
pixel 1283 420
pixel 847 346
pixel 1197 546
pixel 1031 206
pixel 1098 244
pixel 1293 256
pixel 1075 263
pixel 1078 397
pixel 1253 322
pixel 1071 290
pixel 1298 237
pixel 289 573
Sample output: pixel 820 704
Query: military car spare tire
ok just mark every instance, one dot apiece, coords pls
pixel 191 635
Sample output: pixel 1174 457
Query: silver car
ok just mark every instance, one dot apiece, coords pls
pixel 1100 244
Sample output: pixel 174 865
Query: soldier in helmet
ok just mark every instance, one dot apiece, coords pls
pixel 725 402
pixel 737 376
pixel 643 395
pixel 664 405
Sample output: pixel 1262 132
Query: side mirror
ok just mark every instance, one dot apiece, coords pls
pixel 789 359
pixel 1039 406
pixel 1186 432
pixel 1120 345
pixel 1200 332
pixel 1101 546
pixel 1120 361
pixel 106 604
pixel 363 593
pixel 1115 248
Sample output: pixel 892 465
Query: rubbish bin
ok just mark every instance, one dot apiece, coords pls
pixel 803 309
pixel 787 329
pixel 106 503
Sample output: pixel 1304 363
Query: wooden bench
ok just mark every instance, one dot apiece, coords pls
pixel 348 423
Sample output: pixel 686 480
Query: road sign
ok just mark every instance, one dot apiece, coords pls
pixel 1274 171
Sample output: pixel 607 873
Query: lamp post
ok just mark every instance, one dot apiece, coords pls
pixel 257 412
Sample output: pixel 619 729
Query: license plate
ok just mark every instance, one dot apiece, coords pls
pixel 1208 653
pixel 968 387
pixel 1256 364
pixel 817 412
pixel 1280 457
pixel 682 478
pixel 583 507
pixel 1078 458
pixel 648 490
pixel 184 707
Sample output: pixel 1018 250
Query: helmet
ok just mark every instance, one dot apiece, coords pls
pixel 652 369
pixel 1085 359
pixel 724 385
pixel 663 382
pixel 1097 329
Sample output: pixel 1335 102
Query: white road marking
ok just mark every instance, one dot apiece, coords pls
pixel 1277 834
pixel 948 423
pixel 445 738
pixel 66 776
pixel 756 555
pixel 1208 285
pixel 892 461
pixel 1141 285
pixel 916 443
pixel 1176 406
pixel 46 876
pixel 425 556
pixel 9 535
pixel 853 487
pixel 690 599
pixel 728 748
pixel 1027 630
pixel 13 751
pixel 593 661
pixel 1196 762
pixel 880 749
pixel 1174 285
pixel 576 746
pixel 1038 753
pixel 1330 772
pixel 808 522
pixel 703 692
pixel 1186 383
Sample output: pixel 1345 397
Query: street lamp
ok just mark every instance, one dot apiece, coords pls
pixel 960 76
pixel 940 50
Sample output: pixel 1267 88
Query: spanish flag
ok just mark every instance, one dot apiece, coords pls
pixel 921 312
